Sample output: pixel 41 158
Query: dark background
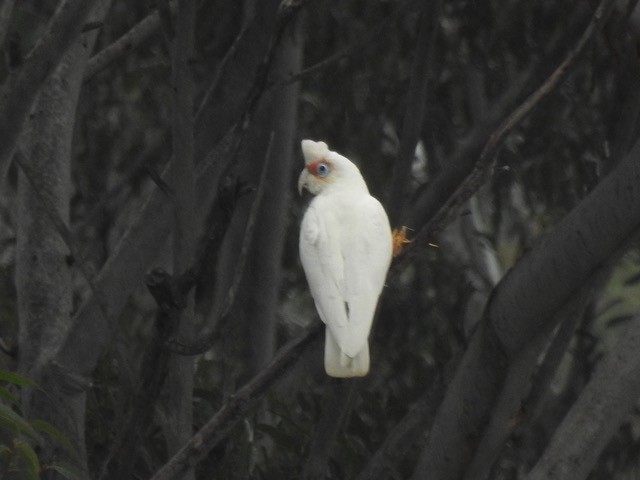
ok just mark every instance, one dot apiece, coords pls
pixel 137 136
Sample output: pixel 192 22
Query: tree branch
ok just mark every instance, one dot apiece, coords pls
pixel 18 93
pixel 141 31
pixel 523 305
pixel 205 342
pixel 85 267
pixel 416 101
pixel 604 404
pixel 485 164
pixel 236 407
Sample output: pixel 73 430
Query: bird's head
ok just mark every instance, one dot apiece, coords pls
pixel 325 170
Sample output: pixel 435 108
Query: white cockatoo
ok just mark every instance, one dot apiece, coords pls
pixel 345 249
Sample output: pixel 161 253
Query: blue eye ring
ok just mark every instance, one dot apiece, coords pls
pixel 322 169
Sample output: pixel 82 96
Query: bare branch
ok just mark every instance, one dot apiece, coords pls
pixel 236 407
pixel 141 31
pixel 522 306
pixel 486 162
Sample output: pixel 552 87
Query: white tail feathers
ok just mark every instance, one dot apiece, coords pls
pixel 338 364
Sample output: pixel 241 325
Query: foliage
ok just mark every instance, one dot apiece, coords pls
pixel 22 438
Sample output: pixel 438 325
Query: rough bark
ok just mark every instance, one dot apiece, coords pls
pixel 19 91
pixel 43 266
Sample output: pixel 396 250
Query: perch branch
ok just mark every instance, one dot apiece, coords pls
pixel 486 162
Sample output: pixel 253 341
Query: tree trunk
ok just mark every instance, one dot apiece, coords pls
pixel 523 305
pixel 280 119
pixel 43 263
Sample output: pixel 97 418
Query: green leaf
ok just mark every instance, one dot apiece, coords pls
pixel 30 457
pixel 16 379
pixel 68 471
pixel 15 423
pixel 56 434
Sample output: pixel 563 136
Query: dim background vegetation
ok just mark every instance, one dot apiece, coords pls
pixel 485 57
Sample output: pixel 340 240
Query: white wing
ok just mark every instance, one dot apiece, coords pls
pixel 345 249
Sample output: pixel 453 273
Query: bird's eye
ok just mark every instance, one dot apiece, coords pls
pixel 322 170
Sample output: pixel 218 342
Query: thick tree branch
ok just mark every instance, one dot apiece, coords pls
pixel 596 416
pixel 18 93
pixel 510 403
pixel 86 269
pixel 140 32
pixel 523 305
pixel 125 270
pixel 485 164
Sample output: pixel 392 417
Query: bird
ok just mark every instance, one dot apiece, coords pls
pixel 345 250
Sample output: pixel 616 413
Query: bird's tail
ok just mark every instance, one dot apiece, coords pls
pixel 338 364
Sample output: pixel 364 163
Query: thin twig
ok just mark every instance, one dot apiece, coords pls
pixel 220 70
pixel 350 49
pixel 486 162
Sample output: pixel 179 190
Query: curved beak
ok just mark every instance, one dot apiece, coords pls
pixel 302 180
